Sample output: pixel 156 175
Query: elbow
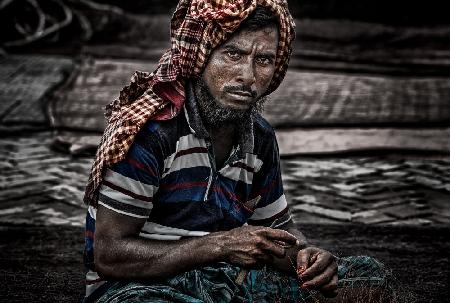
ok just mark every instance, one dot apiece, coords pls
pixel 104 260
pixel 104 269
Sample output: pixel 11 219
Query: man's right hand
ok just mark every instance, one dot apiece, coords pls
pixel 253 246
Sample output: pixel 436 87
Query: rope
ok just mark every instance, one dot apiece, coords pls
pixel 52 17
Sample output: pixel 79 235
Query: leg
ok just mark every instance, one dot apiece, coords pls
pixel 361 279
pixel 269 285
pixel 204 285
pixel 215 284
pixel 132 292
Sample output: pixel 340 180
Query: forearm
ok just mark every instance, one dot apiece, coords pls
pixel 121 254
pixel 141 259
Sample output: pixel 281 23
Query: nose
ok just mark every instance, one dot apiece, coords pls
pixel 246 74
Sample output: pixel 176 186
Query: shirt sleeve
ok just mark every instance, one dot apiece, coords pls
pixel 271 208
pixel 128 186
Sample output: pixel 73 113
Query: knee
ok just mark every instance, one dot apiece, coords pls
pixel 366 276
pixel 362 267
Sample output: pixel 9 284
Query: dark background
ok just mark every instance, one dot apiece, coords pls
pixel 399 12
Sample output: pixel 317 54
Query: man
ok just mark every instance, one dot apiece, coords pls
pixel 193 209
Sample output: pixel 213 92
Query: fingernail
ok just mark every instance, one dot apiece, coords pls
pixel 300 270
pixel 304 285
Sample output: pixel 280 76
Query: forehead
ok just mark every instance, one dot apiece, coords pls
pixel 265 38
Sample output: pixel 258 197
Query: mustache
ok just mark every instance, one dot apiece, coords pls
pixel 240 89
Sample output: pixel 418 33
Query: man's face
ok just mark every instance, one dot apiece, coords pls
pixel 238 73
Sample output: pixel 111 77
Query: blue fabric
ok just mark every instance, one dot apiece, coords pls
pixel 217 285
pixel 179 201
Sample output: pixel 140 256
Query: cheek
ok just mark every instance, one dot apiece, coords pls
pixel 265 77
pixel 218 74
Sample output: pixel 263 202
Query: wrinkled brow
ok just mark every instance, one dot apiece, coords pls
pixel 236 48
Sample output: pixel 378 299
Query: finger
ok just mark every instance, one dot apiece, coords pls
pixel 317 266
pixel 280 235
pixel 321 279
pixel 273 248
pixel 282 244
pixel 303 257
pixel 330 289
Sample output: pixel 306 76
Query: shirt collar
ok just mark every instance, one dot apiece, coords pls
pixel 194 120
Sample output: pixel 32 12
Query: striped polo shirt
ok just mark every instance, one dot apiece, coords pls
pixel 169 178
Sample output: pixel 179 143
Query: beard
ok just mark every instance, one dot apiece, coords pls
pixel 215 115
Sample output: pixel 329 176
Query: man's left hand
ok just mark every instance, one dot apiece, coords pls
pixel 317 269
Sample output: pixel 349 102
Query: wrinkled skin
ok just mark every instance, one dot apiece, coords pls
pixel 239 72
pixel 237 75
pixel 317 269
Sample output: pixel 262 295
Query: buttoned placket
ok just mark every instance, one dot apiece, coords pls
pixel 214 173
pixel 213 170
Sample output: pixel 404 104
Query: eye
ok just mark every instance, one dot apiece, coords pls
pixel 264 61
pixel 233 55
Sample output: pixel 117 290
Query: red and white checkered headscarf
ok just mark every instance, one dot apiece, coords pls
pixel 197 28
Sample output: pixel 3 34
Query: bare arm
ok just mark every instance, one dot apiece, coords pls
pixel 121 254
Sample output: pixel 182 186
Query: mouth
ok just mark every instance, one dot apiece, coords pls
pixel 241 96
pixel 241 93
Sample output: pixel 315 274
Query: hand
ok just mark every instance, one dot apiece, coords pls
pixel 317 269
pixel 254 246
